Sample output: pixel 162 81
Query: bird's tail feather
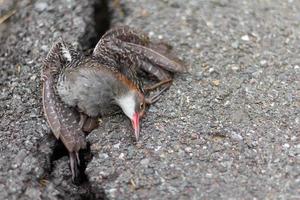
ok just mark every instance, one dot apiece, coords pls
pixel 74 165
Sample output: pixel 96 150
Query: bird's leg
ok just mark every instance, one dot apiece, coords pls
pixel 87 124
pixel 167 84
pixel 156 97
pixel 164 77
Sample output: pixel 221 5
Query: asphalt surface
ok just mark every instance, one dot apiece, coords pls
pixel 228 129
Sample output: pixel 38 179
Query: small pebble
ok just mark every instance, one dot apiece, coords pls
pixel 157 148
pixel 216 82
pixel 145 162
pixel 194 136
pixel 121 156
pixel 235 45
pixel 209 175
pixel 32 78
pixel 117 146
pixel 211 70
pixel 44 48
pixel 151 33
pixel 144 13
pixel 181 153
pixel 188 149
pixel 245 38
pixel 286 146
pixel 263 62
pixel 40 6
pixel 235 67
pixel 236 137
pixel 293 138
pixel 103 155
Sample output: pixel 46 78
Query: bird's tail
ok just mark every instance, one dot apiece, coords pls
pixel 74 165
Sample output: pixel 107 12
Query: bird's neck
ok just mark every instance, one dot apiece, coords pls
pixel 127 103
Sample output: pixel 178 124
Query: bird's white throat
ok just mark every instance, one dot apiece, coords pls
pixel 127 103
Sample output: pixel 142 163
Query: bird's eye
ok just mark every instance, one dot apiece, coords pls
pixel 141 106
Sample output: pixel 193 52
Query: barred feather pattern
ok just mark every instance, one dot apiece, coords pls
pixel 130 51
pixel 122 60
pixel 62 119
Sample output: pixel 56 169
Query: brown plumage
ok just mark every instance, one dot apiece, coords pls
pixel 107 80
pixel 63 120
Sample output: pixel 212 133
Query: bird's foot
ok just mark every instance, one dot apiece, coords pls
pixel 90 124
pixel 167 83
pixel 156 97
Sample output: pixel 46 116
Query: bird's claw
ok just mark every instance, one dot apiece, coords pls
pixel 156 97
pixel 167 84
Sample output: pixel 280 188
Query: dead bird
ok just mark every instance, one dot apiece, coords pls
pixel 93 85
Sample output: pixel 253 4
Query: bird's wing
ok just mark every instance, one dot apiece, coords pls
pixel 130 50
pixel 125 33
pixel 62 120
pixel 61 55
pixel 111 53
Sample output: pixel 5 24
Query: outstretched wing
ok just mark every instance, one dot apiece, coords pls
pixel 110 52
pixel 130 50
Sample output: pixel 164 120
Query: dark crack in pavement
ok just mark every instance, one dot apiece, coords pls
pixel 29 168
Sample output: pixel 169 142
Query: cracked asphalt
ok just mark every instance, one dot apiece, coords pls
pixel 227 129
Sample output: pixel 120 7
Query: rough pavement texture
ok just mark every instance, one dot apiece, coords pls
pixel 26 142
pixel 228 129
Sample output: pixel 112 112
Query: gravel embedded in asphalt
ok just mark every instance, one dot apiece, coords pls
pixel 229 128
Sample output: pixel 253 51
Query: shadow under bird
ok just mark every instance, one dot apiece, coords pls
pixel 77 89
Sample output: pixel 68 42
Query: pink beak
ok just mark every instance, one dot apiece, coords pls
pixel 136 125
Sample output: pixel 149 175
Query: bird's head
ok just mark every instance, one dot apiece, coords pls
pixel 133 105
